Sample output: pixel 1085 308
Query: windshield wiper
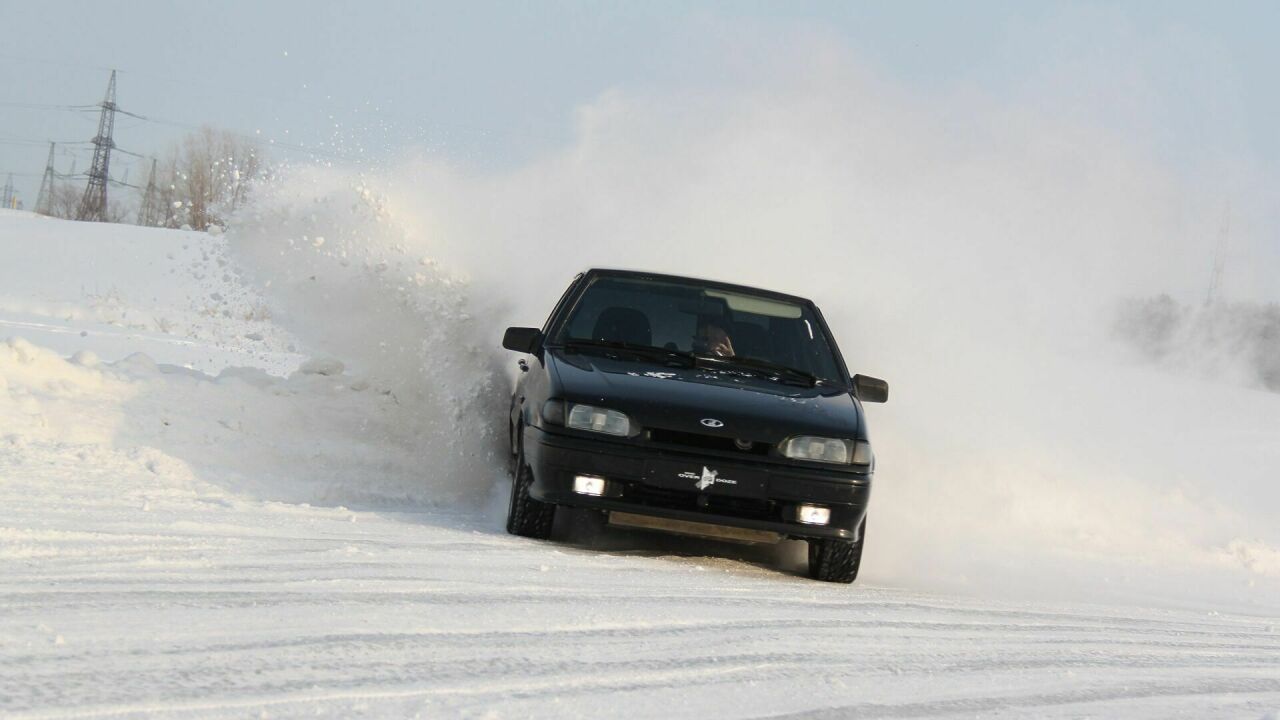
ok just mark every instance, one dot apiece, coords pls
pixel 689 359
pixel 764 367
pixel 647 351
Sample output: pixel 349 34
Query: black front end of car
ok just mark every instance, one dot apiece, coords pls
pixel 692 484
pixel 692 407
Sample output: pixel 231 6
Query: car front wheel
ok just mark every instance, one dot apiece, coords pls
pixel 836 560
pixel 526 516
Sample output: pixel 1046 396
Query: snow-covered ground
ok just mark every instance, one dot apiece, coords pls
pixel 204 515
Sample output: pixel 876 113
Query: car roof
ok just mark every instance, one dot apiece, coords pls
pixel 612 272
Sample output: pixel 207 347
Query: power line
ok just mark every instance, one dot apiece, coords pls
pixel 42 106
pixel 282 145
pixel 185 82
pixel 222 90
pixel 129 152
pixel 269 142
pixel 18 141
pixel 255 138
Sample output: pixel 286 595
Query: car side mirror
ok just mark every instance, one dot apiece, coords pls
pixel 520 339
pixel 869 389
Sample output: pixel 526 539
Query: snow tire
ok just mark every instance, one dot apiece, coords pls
pixel 836 560
pixel 525 516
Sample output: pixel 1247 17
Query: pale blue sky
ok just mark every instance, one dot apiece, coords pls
pixel 491 84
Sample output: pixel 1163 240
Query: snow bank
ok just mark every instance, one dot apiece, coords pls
pixel 322 438
pixel 43 397
pixel 169 291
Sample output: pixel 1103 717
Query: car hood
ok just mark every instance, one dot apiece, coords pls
pixel 680 398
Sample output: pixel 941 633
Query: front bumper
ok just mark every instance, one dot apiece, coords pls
pixel 665 484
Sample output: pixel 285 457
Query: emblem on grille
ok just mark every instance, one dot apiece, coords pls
pixel 712 423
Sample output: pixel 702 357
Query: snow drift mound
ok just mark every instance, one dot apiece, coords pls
pixel 949 254
pixel 120 289
pixel 318 436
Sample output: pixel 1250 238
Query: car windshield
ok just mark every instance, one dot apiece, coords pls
pixel 754 331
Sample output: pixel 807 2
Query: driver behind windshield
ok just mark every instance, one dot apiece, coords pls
pixel 712 339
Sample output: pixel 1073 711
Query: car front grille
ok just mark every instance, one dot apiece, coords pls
pixel 661 497
pixel 704 442
pixel 685 500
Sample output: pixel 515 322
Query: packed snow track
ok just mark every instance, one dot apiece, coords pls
pixel 121 599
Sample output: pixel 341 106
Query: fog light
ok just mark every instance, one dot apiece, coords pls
pixel 813 515
pixel 588 485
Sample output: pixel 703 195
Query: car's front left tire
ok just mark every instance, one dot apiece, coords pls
pixel 837 560
pixel 526 516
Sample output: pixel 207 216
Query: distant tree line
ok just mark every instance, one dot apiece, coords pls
pixel 208 175
pixel 200 181
pixel 64 201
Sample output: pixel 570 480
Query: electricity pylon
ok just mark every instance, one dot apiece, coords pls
pixel 149 210
pixel 1219 258
pixel 93 205
pixel 7 193
pixel 44 201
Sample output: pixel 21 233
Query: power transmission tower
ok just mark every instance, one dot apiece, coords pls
pixel 44 201
pixel 7 194
pixel 93 206
pixel 149 211
pixel 1219 258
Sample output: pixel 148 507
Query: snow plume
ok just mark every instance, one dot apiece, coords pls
pixel 968 252
pixel 1238 342
pixel 351 282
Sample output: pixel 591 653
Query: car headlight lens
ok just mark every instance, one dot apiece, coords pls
pixel 827 450
pixel 862 453
pixel 601 420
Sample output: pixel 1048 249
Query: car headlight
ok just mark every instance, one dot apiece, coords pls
pixel 827 450
pixel 601 420
pixel 862 453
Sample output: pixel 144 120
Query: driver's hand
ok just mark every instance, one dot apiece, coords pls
pixel 718 343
